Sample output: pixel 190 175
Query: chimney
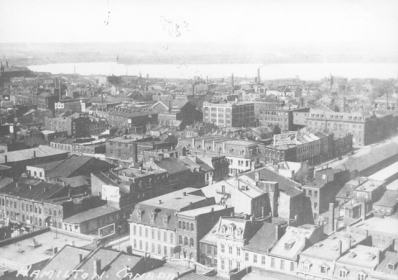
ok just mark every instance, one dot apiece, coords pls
pixel 72 243
pixel 214 146
pixel 185 193
pixel 252 219
pixel 159 201
pixel 212 209
pixel 232 214
pixel 129 250
pixel 363 210
pixel 331 217
pixel 5 158
pixel 193 143
pixel 55 250
pixel 302 101
pixel 223 147
pixel 34 154
pixel 97 267
pixel 80 258
pixel 339 248
pixel 276 232
pixel 263 212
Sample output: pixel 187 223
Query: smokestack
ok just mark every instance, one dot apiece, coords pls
pixel 135 152
pixel 97 267
pixel 232 83
pixel 331 217
pixel 258 76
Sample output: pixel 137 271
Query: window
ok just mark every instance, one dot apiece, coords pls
pixel 159 249
pixel 191 243
pixel 171 237
pixel 263 260
pixel 134 230
pixel 140 244
pixel 135 242
pixel 230 250
pixel 153 233
pixel 305 266
pixel 272 262
pixel 282 265
pixel 192 227
pixel 316 193
pixel 179 224
pixel 342 273
pixel 165 250
pixel 186 241
pixel 146 246
pixel 222 264
pixel 238 251
pixel 230 265
pixel 209 249
pixel 238 265
pixel 222 248
pixel 165 236
pixel 361 276
pixel 180 239
pixel 291 266
pixel 247 257
pixel 146 232
pixel 153 247
pixel 140 231
pixel 324 269
pixel 183 225
pixel 159 234
pixel 310 192
pixel 254 258
pixel 315 205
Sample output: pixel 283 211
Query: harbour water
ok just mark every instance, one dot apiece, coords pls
pixel 305 71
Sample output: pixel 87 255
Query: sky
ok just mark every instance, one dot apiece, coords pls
pixel 228 21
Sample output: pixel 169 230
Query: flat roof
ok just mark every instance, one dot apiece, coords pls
pixel 385 225
pixel 22 252
pixel 91 214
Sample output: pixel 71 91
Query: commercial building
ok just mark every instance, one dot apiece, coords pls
pixel 153 223
pixel 229 114
pixel 242 155
pixel 366 129
pixel 132 118
pixel 281 116
pixel 194 224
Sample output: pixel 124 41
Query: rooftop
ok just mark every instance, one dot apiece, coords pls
pixel 24 253
pixel 362 256
pixel 200 211
pixel 384 225
pixel 20 155
pixel 91 214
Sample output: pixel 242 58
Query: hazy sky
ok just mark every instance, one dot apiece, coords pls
pixel 333 21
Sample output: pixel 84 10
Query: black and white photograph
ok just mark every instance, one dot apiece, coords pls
pixel 199 140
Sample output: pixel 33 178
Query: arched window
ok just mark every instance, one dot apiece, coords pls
pixel 179 224
pixel 192 227
pixel 191 242
pixel 186 240
pixel 180 239
pixel 183 225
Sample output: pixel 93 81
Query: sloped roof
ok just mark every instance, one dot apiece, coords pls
pixel 263 240
pixel 91 214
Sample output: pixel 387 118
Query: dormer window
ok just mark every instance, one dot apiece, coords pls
pixel 324 268
pixel 152 216
pixel 289 244
pixel 391 266
pixel 361 276
pixel 165 219
pixel 222 229
pixel 306 265
pixel 231 228
pixel 241 152
pixel 343 273
pixel 231 150
pixel 139 214
pixel 239 232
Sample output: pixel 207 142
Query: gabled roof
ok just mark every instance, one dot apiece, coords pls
pixel 91 214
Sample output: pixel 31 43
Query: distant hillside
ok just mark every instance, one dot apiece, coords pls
pixel 189 53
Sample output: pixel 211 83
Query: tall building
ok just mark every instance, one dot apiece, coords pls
pixel 229 114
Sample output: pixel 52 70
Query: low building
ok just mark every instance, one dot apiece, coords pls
pixel 388 203
pixel 19 160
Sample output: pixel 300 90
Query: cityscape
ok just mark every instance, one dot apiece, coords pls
pixel 201 152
